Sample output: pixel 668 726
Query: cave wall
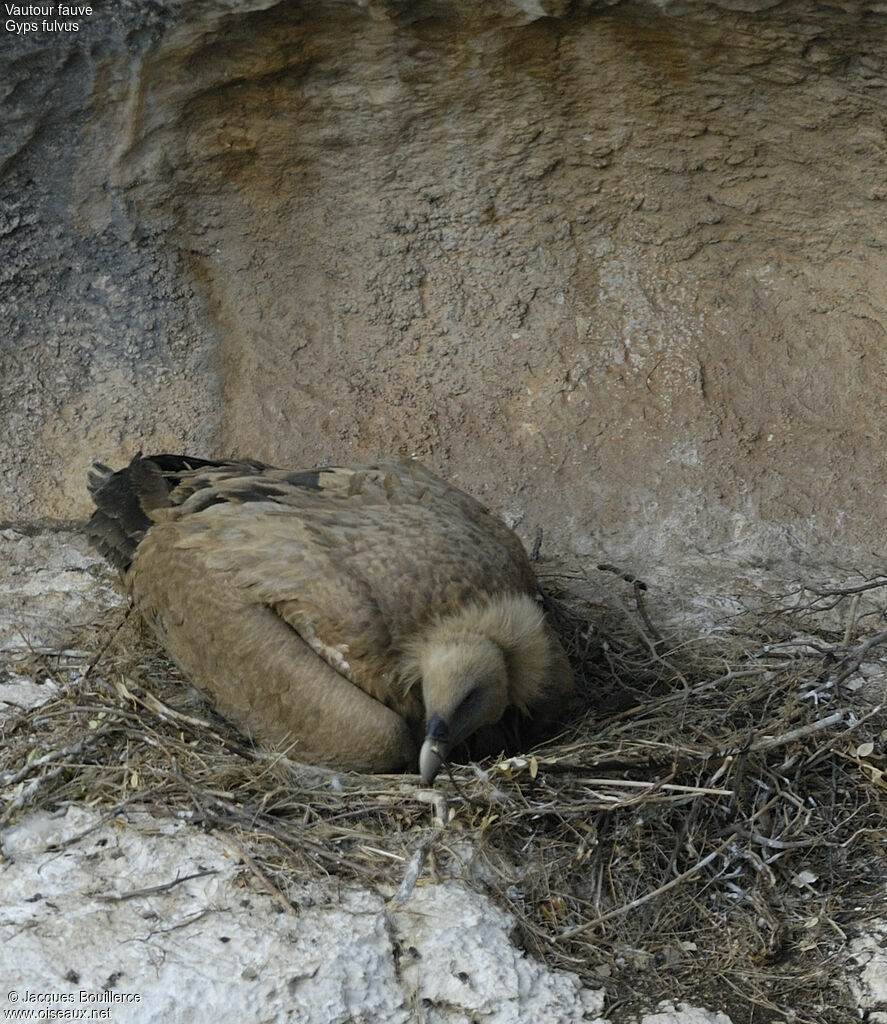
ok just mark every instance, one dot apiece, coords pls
pixel 618 269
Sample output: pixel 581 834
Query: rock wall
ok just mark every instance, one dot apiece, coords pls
pixel 154 920
pixel 617 269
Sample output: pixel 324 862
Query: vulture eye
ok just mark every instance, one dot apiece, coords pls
pixel 470 702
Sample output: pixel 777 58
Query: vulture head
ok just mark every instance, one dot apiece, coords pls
pixel 464 687
pixel 475 664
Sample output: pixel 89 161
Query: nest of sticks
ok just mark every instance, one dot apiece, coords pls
pixel 711 825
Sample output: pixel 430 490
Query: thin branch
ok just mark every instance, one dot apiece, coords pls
pixel 654 787
pixel 653 893
pixel 239 852
pixel 771 742
pixel 101 652
pixel 54 755
pixel 152 890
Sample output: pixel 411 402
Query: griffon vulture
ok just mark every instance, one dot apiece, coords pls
pixel 369 617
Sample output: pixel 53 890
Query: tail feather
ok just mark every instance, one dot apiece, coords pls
pixel 125 499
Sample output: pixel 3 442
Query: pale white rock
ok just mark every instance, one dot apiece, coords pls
pixel 210 948
pixel 49 584
pixel 869 985
pixel 463 961
pixel 75 918
pixel 19 692
pixel 682 1013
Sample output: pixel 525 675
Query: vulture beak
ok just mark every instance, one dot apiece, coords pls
pixel 435 749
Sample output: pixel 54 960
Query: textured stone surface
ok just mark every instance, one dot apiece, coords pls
pixel 50 583
pixel 870 953
pixel 75 918
pixel 668 1013
pixel 465 959
pixel 617 269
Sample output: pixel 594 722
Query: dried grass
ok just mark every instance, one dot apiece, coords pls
pixel 711 826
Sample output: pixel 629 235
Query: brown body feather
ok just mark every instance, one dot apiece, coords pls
pixel 320 609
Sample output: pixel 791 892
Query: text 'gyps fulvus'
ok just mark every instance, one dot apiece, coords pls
pixel 369 617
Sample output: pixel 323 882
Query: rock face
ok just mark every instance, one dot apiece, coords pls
pixel 90 915
pixel 616 269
